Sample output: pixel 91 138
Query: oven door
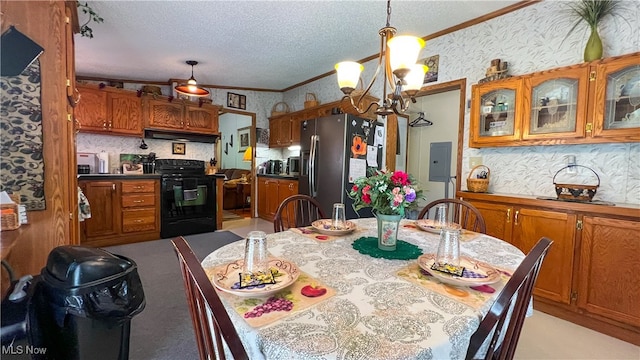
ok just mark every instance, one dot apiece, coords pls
pixel 188 205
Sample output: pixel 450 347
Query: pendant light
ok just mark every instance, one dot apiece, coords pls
pixel 397 60
pixel 191 88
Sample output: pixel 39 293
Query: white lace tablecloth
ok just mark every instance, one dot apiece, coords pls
pixel 374 314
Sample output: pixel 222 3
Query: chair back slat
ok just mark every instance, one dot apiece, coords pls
pixel 460 211
pixel 211 322
pixel 297 211
pixel 502 325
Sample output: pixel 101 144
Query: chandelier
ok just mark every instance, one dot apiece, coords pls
pixel 191 88
pixel 401 72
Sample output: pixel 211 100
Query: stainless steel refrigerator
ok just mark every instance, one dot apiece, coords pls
pixel 331 152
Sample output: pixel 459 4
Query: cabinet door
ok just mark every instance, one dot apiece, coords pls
pixel 609 284
pixel 296 123
pixel 272 197
pixel 201 119
pixel 555 103
pixel 125 113
pixel 285 131
pixel 274 132
pixel 616 109
pixel 554 281
pixel 262 197
pixel 165 115
pixel 497 217
pixel 496 113
pixel 103 199
pixel 286 188
pixel 91 111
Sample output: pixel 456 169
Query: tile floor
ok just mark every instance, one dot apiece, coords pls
pixel 543 336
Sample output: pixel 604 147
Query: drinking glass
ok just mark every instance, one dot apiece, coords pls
pixel 255 252
pixel 449 247
pixel 338 217
pixel 442 217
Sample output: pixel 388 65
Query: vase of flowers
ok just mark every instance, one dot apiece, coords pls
pixel 389 195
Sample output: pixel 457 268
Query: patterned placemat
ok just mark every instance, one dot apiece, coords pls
pixel 467 235
pixel 404 250
pixel 310 232
pixel 305 292
pixel 475 296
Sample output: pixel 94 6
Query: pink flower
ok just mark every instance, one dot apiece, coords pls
pixel 400 178
pixel 395 191
pixel 354 188
pixel 365 190
pixel 366 198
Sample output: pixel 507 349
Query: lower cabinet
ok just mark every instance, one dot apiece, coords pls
pixel 271 192
pixel 590 275
pixel 122 211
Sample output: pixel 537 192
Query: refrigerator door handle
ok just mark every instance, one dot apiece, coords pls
pixel 312 166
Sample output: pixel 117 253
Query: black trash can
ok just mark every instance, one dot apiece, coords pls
pixel 89 296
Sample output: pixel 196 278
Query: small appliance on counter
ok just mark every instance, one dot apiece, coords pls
pixel 87 163
pixel 274 167
pixel 293 165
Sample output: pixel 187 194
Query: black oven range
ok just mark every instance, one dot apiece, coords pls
pixel 188 200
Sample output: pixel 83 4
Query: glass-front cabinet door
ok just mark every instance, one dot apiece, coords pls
pixel 496 118
pixel 556 105
pixel 617 99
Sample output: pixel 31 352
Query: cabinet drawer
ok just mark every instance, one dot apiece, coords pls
pixel 137 200
pixel 138 186
pixel 138 220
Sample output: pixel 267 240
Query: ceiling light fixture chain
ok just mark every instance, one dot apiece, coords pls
pixel 191 88
pixel 400 71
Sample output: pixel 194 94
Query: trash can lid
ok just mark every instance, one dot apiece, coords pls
pixel 72 266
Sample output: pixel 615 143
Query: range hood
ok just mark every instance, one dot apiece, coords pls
pixel 179 136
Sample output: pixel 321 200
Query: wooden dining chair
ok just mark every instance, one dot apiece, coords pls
pixel 297 211
pixel 502 325
pixel 210 320
pixel 465 214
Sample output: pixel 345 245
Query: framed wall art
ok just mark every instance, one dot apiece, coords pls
pixel 244 138
pixel 236 101
pixel 432 62
pixel 178 148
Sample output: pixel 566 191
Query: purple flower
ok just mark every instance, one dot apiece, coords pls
pixel 411 195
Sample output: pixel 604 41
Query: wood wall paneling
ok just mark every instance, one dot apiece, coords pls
pixel 45 22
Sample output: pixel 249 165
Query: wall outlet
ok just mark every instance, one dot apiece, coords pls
pixel 475 161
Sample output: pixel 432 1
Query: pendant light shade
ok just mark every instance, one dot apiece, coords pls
pixel 191 88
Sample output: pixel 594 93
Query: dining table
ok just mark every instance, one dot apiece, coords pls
pixel 346 303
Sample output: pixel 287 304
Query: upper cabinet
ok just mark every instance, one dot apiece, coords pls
pixel 616 114
pixel 587 103
pixel 108 110
pixel 181 115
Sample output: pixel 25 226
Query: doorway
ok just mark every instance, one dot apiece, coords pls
pixel 236 150
pixel 442 123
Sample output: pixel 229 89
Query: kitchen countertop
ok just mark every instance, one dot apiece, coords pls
pixel 279 176
pixel 118 176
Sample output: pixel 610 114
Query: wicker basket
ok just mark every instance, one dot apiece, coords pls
pixel 478 185
pixel 576 192
pixel 10 221
pixel 279 108
pixel 310 100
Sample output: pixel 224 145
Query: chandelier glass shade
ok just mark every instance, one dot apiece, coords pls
pixel 398 56
pixel 191 88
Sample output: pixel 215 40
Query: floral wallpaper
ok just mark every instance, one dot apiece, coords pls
pixel 530 40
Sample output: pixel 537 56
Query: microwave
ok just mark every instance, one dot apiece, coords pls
pixel 293 165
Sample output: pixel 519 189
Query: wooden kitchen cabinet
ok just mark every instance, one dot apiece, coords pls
pixel 122 211
pixel 271 192
pixel 181 115
pixel 109 111
pixel 609 285
pixel 280 131
pixel 594 102
pixel 523 227
pixel 589 276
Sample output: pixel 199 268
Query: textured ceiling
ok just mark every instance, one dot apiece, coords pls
pixel 250 44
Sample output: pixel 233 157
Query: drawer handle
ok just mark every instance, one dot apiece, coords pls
pixel 516 217
pixel 508 216
pixel 138 201
pixel 137 221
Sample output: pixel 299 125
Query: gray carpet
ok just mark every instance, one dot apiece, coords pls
pixel 163 330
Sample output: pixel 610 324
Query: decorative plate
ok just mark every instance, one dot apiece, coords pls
pixel 475 272
pixel 227 278
pixel 325 226
pixel 430 225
